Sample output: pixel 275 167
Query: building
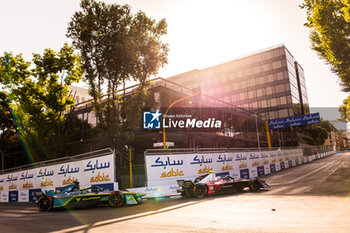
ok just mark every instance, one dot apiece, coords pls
pixel 82 98
pixel 269 82
pixel 79 94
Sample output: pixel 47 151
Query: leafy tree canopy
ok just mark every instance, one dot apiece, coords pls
pixel 116 46
pixel 39 91
pixel 329 22
pixel 344 110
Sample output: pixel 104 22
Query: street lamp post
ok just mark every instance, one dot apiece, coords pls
pixel 257 130
pixel 2 161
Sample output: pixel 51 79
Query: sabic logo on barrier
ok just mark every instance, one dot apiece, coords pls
pixel 151 120
pixel 27 185
pixel 47 182
pixel 12 186
pixel 69 180
pixel 227 168
pixel 205 170
pixel 172 173
pixel 99 178
pixel 255 163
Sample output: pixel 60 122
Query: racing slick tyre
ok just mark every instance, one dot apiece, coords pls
pixel 116 199
pixel 200 190
pixel 45 203
pixel 254 185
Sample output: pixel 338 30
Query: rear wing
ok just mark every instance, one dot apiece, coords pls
pixel 38 195
pixel 185 183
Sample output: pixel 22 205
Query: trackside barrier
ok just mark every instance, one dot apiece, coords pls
pixel 90 169
pixel 163 170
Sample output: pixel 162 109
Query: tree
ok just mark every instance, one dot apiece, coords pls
pixel 7 121
pixel 344 110
pixel 329 21
pixel 318 133
pixel 40 95
pixel 117 46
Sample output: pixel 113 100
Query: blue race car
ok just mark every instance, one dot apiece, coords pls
pixel 72 196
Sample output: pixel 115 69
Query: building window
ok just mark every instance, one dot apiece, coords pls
pixel 234 98
pixel 287 86
pixel 242 96
pixel 260 80
pixel 283 100
pixel 251 82
pixel 276 65
pixel 284 62
pixel 268 91
pixel 280 88
pixel 251 94
pixel 283 113
pixel 266 67
pixel 273 102
pixel 270 78
pixel 244 84
pixel 280 76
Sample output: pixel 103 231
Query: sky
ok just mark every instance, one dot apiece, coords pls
pixel 201 33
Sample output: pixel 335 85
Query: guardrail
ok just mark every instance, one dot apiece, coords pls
pixel 306 150
pixel 87 155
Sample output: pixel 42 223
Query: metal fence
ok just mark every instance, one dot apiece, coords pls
pixel 139 174
pixel 307 150
pixel 92 154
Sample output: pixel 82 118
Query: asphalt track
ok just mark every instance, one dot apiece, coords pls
pixel 312 197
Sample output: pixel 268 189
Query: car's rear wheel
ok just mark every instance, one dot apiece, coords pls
pixel 45 203
pixel 200 190
pixel 116 199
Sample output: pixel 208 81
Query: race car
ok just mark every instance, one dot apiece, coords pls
pixel 209 184
pixel 72 196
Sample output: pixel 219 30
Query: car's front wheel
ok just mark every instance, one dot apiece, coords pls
pixel 254 185
pixel 116 199
pixel 45 203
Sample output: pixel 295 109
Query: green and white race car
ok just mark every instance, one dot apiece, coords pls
pixel 72 196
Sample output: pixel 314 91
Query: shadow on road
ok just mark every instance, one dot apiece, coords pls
pixel 329 176
pixel 25 217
